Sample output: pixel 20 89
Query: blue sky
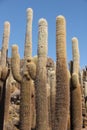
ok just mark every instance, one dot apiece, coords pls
pixel 75 12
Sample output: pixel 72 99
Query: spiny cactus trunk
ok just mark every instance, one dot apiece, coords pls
pixel 7 103
pixel 25 82
pixel 76 109
pixel 25 105
pixel 3 71
pixel 4 50
pixel 2 107
pixel 28 38
pixel 33 108
pixel 52 97
pixel 62 81
pixel 41 79
pixel 49 108
pixel 76 99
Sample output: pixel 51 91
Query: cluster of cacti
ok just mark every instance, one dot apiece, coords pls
pixel 35 92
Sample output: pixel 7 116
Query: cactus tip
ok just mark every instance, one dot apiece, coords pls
pixel 74 40
pixel 75 80
pixel 7 23
pixel 14 46
pixel 43 21
pixel 60 17
pixel 29 10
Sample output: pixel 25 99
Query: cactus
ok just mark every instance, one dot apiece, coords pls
pixel 69 76
pixel 28 38
pixel 52 97
pixel 25 77
pixel 5 42
pixel 7 101
pixel 41 90
pixel 26 84
pixel 33 118
pixel 4 71
pixel 4 50
pixel 76 104
pixel 75 53
pixel 62 81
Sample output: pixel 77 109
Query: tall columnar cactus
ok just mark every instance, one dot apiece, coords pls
pixel 4 50
pixel 25 81
pixel 26 76
pixel 76 104
pixel 41 79
pixel 62 81
pixel 28 38
pixel 4 71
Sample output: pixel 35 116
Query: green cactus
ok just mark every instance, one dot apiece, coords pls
pixel 76 99
pixel 62 79
pixel 41 79
pixel 4 71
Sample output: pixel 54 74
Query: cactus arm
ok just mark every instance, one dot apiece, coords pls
pixel 75 81
pixel 5 42
pixel 5 73
pixel 28 38
pixel 31 66
pixel 15 64
pixel 75 52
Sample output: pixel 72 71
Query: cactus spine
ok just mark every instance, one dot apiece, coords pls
pixel 41 90
pixel 62 81
pixel 4 71
pixel 76 105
